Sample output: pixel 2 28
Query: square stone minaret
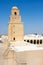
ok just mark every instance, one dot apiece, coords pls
pixel 15 27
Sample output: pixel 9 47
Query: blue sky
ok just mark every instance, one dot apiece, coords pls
pixel 31 12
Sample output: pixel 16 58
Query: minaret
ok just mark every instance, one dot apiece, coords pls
pixel 15 27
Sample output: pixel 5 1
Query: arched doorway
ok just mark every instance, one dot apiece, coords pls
pixel 31 41
pixel 27 40
pixel 37 41
pixel 14 38
pixel 40 41
pixel 34 41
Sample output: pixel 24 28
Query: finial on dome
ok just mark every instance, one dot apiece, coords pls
pixel 14 7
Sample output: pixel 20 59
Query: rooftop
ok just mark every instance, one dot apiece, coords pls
pixel 33 36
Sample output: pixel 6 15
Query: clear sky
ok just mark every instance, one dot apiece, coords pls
pixel 31 12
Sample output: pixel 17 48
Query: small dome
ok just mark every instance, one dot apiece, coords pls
pixel 14 7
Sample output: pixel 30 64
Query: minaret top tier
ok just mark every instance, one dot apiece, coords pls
pixel 15 11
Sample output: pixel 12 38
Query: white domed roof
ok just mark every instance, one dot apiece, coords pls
pixel 14 7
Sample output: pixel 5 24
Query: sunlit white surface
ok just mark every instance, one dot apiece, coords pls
pixel 33 36
pixel 24 46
